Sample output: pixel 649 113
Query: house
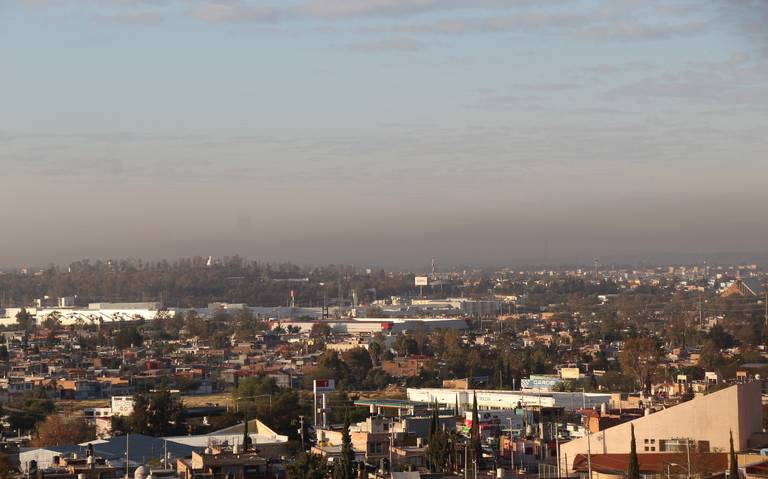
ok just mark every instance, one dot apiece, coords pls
pixel 705 420
pixel 224 463
pixel 749 287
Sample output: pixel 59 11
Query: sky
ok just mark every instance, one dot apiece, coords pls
pixel 386 132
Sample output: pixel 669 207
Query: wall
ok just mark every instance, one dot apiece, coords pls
pixel 708 418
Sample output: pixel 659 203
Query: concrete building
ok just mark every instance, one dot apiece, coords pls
pixel 704 420
pixel 497 400
pixel 377 325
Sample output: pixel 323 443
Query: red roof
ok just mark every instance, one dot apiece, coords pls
pixel 654 462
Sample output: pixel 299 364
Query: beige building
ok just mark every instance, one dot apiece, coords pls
pixel 705 420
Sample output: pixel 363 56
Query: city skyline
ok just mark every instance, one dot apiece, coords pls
pixel 383 132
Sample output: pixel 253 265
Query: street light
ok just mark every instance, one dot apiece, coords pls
pixel 669 468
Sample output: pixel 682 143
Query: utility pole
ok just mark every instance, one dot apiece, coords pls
pixel 127 474
pixel 511 451
pixel 466 465
pixel 301 431
pixel 391 446
pixel 589 446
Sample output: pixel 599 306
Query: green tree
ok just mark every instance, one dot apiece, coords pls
pixel 246 437
pixel 437 447
pixel 633 471
pixel 344 468
pixel 138 421
pixel 307 466
pixel 27 322
pixel 127 337
pixel 733 465
pixel 159 414
pixel 195 325
pixel 474 433
pixel 320 330
pixel 358 362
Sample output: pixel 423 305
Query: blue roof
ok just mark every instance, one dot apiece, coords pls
pixel 141 448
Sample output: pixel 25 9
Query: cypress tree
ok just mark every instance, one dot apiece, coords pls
pixel 456 407
pixel 246 436
pixel 733 466
pixel 633 471
pixel 474 432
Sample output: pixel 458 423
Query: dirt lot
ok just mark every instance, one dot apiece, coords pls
pixel 70 406
pixel 222 399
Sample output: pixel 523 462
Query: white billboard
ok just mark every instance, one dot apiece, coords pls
pixel 422 281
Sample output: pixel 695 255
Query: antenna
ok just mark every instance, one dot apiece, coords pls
pixel 434 275
pixel 597 268
pixel 341 296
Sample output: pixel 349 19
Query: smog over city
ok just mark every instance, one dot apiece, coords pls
pixel 383 132
pixel 383 239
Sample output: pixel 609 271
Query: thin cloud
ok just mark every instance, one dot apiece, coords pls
pixel 144 18
pixel 390 44
pixel 642 32
pixel 236 12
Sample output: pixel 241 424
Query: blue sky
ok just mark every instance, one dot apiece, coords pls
pixel 382 131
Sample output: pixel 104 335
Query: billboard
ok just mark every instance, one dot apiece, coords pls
pixel 546 383
pixel 570 373
pixel 421 281
pixel 324 385
pixel 122 405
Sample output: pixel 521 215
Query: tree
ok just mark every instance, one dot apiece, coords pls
pixel 405 345
pixel 6 467
pixel 733 466
pixel 320 330
pixel 159 414
pixel 330 365
pixel 358 361
pixel 27 322
pixel 307 466
pixel 138 421
pixel 52 322
pixel 640 358
pixel 721 338
pixel 246 437
pixel 437 447
pixel 474 433
pixel 58 430
pixel 344 467
pixel 127 337
pixel 33 409
pixel 195 325
pixel 374 350
pixel 633 471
